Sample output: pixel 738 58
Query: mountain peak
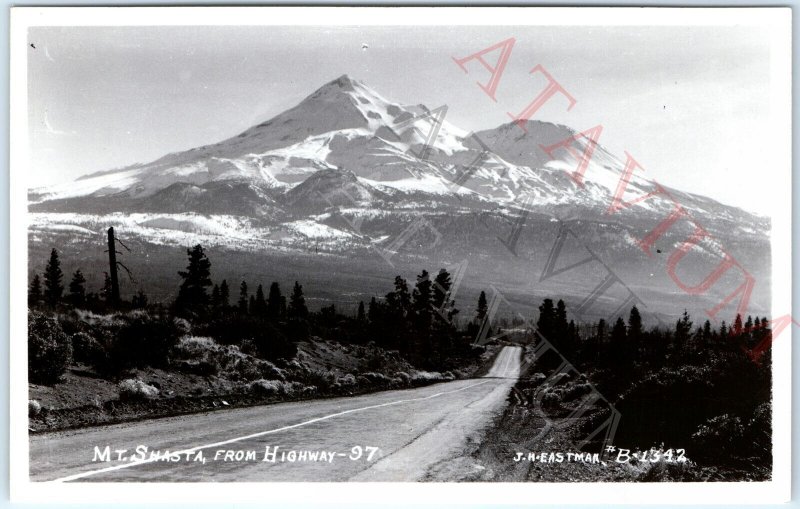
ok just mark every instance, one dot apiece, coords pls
pixel 345 82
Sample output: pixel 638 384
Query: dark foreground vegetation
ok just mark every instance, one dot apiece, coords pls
pixel 256 345
pixel 700 389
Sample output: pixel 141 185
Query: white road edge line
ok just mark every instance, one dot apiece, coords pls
pixel 262 433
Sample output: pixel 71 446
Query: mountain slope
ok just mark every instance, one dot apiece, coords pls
pixel 348 172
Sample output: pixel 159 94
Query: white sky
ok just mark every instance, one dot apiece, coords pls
pixel 691 104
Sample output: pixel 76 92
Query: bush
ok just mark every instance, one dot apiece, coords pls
pixel 426 377
pixel 577 390
pixel 143 341
pixel 34 408
pixel 88 350
pixel 278 388
pixel 376 379
pixel 323 380
pixel 204 356
pixel 237 329
pixel 133 389
pixel 551 399
pixel 723 434
pixel 49 349
pixel 266 387
pixel 347 380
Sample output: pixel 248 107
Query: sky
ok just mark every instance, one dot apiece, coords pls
pixel 691 104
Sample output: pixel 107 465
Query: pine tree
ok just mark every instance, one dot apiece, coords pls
pixel 483 307
pixel 737 325
pixel 635 324
pixel 77 289
pixel 707 331
pixel 361 315
pixel 398 302
pixel 215 299
pixel 224 295
pixel 192 294
pixel 274 301
pixel 421 302
pixel 106 291
pixel 297 303
pixel 373 313
pixel 683 328
pixel 618 335
pixel 243 297
pixel 547 319
pixel 561 324
pixel 259 303
pixel 139 300
pixel 442 303
pixel 35 291
pixel 53 287
pixel 601 331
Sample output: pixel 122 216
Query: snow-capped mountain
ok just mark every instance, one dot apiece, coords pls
pixel 350 170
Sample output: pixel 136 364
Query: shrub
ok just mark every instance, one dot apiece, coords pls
pixel 182 325
pixel 426 377
pixel 347 380
pixel 143 341
pixel 577 390
pixel 204 367
pixel 551 399
pixel 377 379
pixel 559 378
pixel 34 408
pixel 87 349
pixel 133 389
pixel 237 329
pixel 265 387
pixel 49 349
pixel 323 380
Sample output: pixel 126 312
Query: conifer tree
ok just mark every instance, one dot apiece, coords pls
pixel 618 335
pixel 547 319
pixel 215 300
pixel 297 303
pixel 192 294
pixel 561 324
pixel 106 291
pixel 635 327
pixel 373 312
pixel 421 302
pixel 139 300
pixel 35 291
pixel 77 289
pixel 53 286
pixel 274 301
pixel 483 307
pixel 259 303
pixel 224 295
pixel 243 301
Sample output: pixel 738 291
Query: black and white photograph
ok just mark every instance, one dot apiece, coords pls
pixel 448 248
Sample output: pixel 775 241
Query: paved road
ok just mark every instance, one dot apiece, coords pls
pixel 413 431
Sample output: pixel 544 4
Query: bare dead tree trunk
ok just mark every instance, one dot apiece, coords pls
pixel 112 265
